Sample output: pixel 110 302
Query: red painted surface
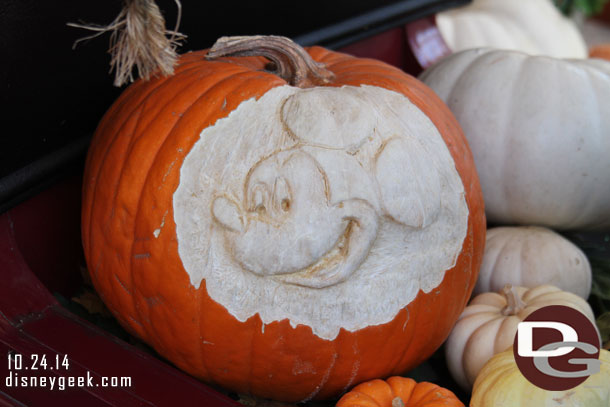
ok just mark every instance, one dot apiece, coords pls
pixel 412 48
pixel 94 353
pixel 47 232
pixel 390 46
pixel 21 293
pixel 32 323
pixel 6 401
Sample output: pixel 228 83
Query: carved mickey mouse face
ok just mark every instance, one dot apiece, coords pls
pixel 348 185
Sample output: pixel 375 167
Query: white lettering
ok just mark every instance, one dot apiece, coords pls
pixel 526 338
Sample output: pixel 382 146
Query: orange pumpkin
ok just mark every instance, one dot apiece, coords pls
pixel 161 235
pixel 398 392
pixel 600 51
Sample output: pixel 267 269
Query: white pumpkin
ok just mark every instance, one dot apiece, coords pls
pixel 489 323
pixel 539 130
pixel 532 26
pixel 530 256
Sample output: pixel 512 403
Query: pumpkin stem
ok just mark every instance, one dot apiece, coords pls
pixel 514 302
pixel 397 402
pixel 289 60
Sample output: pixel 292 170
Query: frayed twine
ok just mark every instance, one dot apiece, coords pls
pixel 139 37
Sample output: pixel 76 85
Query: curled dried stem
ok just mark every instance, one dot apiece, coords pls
pixel 289 60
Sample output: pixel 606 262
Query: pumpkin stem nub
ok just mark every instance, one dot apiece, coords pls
pixel 514 302
pixel 397 402
pixel 291 62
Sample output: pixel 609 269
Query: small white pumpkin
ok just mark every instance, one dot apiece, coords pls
pixel 530 256
pixel 489 323
pixel 539 130
pixel 532 26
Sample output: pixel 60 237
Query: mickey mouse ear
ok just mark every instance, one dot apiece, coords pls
pixel 336 118
pixel 409 182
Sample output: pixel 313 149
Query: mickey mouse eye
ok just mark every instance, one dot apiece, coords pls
pixel 259 198
pixel 285 204
pixel 281 195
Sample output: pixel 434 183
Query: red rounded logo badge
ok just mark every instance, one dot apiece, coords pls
pixel 557 348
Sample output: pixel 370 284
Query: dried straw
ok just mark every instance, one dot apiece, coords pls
pixel 139 37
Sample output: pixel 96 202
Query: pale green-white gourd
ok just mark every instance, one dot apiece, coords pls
pixel 539 130
pixel 532 26
pixel 530 256
pixel 500 383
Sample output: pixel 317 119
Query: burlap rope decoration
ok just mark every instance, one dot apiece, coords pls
pixel 139 37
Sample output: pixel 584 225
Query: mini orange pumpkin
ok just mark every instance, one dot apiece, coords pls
pixel 186 259
pixel 399 392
